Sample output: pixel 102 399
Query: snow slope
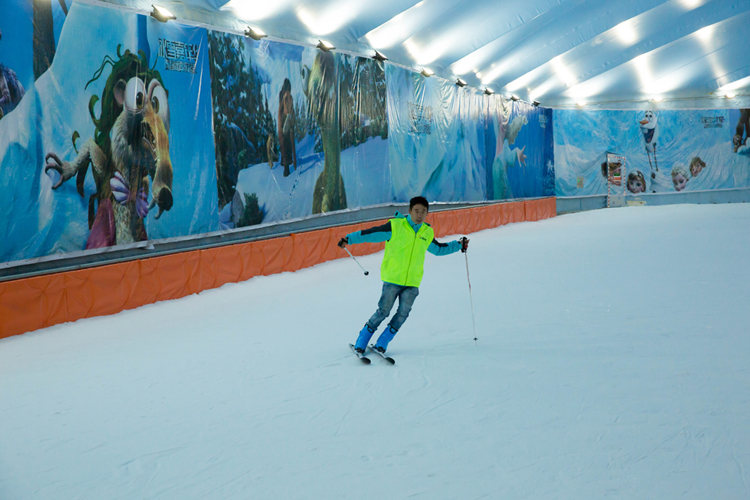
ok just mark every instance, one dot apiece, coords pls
pixel 612 361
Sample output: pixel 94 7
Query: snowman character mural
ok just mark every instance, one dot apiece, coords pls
pixel 650 134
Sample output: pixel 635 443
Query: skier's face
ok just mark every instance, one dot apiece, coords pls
pixel 418 213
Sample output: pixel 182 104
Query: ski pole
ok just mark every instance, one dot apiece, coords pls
pixel 473 321
pixel 355 260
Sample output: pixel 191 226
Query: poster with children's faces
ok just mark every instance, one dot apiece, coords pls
pixel 664 151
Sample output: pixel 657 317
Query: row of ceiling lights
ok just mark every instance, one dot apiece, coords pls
pixel 163 15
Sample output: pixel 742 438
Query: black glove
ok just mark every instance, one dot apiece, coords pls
pixel 464 244
pixel 342 242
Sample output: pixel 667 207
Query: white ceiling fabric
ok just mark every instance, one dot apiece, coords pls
pixel 610 54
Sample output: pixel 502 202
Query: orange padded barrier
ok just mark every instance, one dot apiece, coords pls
pixel 32 303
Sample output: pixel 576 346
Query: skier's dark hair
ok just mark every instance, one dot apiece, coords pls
pixel 419 200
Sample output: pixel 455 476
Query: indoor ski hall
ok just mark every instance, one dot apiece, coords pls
pixel 433 249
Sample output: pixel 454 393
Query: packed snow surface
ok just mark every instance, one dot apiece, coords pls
pixel 612 361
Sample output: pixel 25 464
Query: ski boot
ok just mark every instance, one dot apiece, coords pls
pixel 364 337
pixel 385 338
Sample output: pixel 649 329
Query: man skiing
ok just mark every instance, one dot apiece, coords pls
pixel 408 238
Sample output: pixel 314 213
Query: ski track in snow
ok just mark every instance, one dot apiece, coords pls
pixel 611 362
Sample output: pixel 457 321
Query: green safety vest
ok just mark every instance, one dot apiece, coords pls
pixel 403 263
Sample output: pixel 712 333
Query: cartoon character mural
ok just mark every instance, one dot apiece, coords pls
pixel 636 182
pixel 680 177
pixel 505 157
pixel 11 90
pixel 650 137
pixel 129 153
pixel 287 146
pixel 321 90
pixel 742 132
pixel 244 126
pixel 696 166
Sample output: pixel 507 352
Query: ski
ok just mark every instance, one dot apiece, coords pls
pixel 364 358
pixel 382 354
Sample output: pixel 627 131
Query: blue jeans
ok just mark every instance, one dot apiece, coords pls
pixel 406 296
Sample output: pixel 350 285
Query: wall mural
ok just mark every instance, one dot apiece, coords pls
pixel 147 130
pixel 457 144
pixel 298 131
pixel 111 144
pixel 519 138
pixel 665 151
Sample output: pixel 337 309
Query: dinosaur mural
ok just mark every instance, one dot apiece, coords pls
pixel 321 90
pixel 129 153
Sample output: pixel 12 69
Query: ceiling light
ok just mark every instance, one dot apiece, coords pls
pixel 325 46
pixel 562 72
pixel 581 103
pixel 161 14
pixel 706 33
pixel 379 57
pixel 460 82
pixel 427 72
pixel 254 33
pixel 626 32
pixel 251 10
pixel 324 20
pixel 514 98
pixel 536 103
pixel 730 96
pixel 691 4
pixel 658 99
pixel 736 85
pixel 489 91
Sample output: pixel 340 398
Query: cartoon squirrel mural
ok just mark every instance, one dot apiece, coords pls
pixel 129 152
pixel 11 90
pixel 322 94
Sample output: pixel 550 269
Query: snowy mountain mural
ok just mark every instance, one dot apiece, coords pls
pixel 148 130
pixel 299 130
